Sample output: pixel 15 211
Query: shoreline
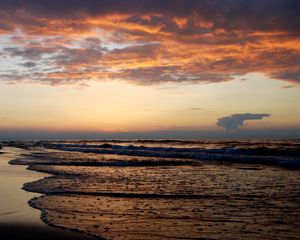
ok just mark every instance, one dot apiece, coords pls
pixel 17 219
pixel 194 201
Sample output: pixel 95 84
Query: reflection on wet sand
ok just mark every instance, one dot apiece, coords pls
pixel 19 221
pixel 160 218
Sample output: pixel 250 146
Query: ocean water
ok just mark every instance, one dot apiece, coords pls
pixel 168 189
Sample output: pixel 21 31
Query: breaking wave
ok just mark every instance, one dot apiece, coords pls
pixel 286 154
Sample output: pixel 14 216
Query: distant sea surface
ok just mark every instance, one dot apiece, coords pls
pixel 168 189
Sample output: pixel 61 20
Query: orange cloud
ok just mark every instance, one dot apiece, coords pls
pixel 150 42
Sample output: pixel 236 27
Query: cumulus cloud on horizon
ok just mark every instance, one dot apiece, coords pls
pixel 235 121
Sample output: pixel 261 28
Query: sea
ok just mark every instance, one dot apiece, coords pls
pixel 167 189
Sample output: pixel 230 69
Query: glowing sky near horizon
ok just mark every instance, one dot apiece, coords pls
pixel 148 65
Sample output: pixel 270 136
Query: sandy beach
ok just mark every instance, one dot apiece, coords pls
pixel 17 219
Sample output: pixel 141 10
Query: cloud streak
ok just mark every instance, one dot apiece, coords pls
pixel 235 121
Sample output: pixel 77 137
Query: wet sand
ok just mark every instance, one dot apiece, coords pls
pixel 17 219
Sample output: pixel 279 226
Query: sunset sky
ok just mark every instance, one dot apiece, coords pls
pixel 150 66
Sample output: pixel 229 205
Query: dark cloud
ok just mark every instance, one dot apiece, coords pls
pixel 76 57
pixel 92 43
pixel 235 121
pixel 289 76
pixel 157 75
pixel 32 54
pixel 139 51
pixel 264 15
pixel 28 53
pixel 29 64
pixel 154 41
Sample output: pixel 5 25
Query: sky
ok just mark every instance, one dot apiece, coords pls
pixel 149 68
